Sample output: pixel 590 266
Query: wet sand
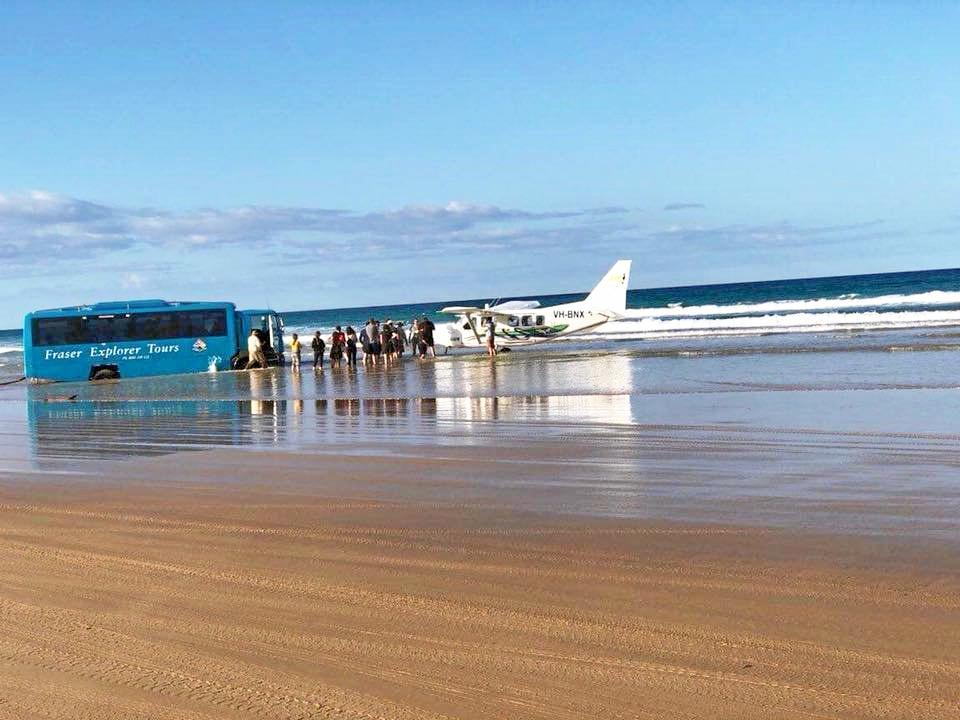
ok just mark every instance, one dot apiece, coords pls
pixel 563 537
pixel 184 586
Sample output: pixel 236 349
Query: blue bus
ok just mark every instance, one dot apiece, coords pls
pixel 137 338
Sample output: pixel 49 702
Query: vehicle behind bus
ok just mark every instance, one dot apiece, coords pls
pixel 144 337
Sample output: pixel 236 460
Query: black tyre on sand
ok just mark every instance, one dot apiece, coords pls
pixel 105 374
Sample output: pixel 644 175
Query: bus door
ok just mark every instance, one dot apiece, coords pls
pixel 275 323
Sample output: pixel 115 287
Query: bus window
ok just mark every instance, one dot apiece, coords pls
pixel 130 327
pixel 57 331
pixel 214 323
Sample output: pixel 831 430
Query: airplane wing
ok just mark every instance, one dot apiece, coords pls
pixel 459 310
pixel 474 311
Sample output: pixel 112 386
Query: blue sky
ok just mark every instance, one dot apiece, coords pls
pixel 317 155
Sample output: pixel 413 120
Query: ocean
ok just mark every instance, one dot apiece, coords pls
pixel 700 318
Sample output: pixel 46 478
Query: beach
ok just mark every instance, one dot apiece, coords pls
pixel 164 591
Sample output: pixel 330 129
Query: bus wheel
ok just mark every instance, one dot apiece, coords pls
pixel 105 374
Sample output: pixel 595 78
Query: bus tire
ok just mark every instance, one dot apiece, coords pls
pixel 105 374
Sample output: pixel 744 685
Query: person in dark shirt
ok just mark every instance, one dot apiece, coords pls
pixel 365 343
pixel 351 347
pixel 426 334
pixel 319 347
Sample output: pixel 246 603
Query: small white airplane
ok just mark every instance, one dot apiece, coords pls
pixel 524 322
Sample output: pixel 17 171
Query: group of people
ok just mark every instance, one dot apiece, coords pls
pixel 387 341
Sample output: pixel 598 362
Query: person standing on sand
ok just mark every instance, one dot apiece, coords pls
pixel 373 332
pixel 376 341
pixel 415 337
pixel 351 347
pixel 386 335
pixel 365 344
pixel 401 338
pixel 337 342
pixel 426 333
pixel 491 337
pixel 318 346
pixel 255 354
pixel 295 350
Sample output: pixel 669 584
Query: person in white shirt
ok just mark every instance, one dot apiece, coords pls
pixel 255 354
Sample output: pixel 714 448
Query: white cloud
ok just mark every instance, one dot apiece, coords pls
pixel 42 224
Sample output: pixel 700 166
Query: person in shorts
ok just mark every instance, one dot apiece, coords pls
pixel 295 350
pixel 491 337
pixel 373 335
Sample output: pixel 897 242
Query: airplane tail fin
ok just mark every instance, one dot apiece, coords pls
pixel 611 292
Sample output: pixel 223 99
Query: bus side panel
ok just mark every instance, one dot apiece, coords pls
pixel 132 357
pixel 138 358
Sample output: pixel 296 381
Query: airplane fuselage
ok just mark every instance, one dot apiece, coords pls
pixel 526 327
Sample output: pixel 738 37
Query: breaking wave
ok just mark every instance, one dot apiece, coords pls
pixel 848 312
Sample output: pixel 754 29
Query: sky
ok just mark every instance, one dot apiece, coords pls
pixel 312 155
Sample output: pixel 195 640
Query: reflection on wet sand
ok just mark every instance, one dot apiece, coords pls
pixel 120 429
pixel 591 409
pixel 582 455
pixel 713 438
pixel 517 374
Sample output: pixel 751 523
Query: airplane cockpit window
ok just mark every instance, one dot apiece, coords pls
pixel 466 326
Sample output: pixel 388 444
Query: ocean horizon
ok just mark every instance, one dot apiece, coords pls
pixel 696 313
